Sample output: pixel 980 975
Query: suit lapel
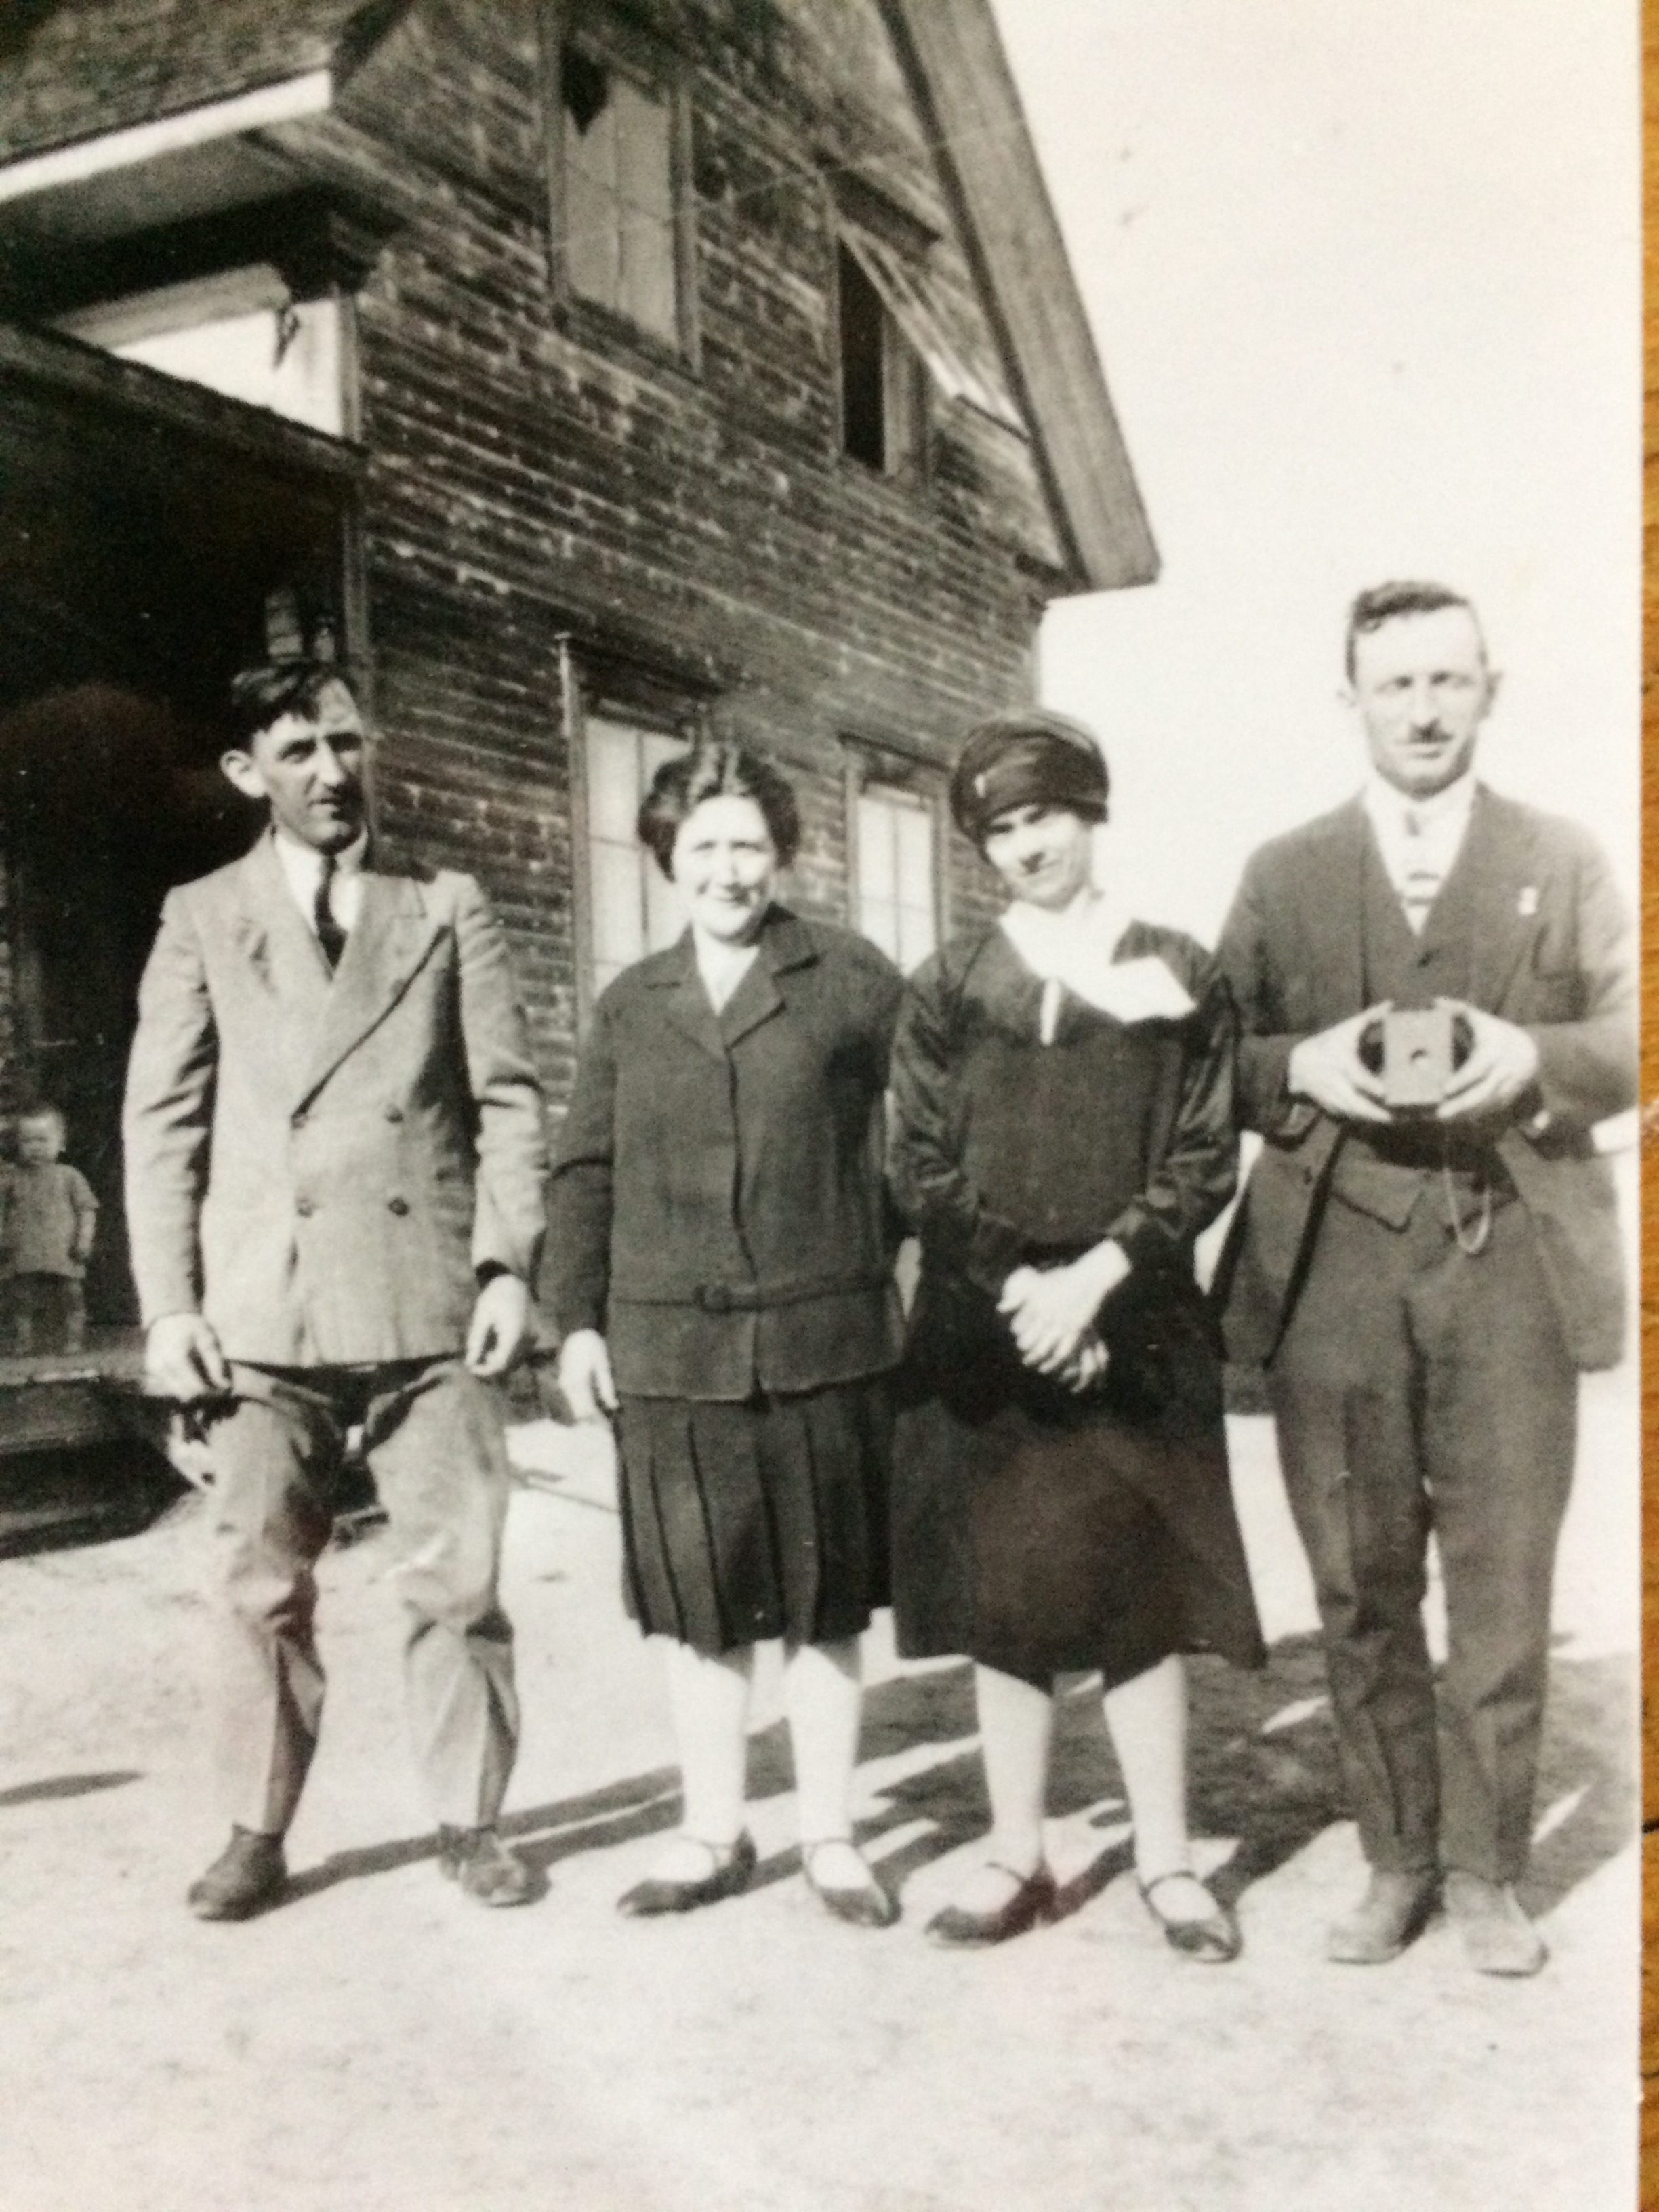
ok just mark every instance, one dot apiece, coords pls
pixel 1498 854
pixel 393 934
pixel 682 999
pixel 282 956
pixel 785 947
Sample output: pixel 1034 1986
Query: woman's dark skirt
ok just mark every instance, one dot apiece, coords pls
pixel 1041 1534
pixel 742 1522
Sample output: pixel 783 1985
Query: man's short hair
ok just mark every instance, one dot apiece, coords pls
pixel 1385 603
pixel 262 696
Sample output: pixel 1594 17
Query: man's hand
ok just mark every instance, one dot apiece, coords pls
pixel 1503 1062
pixel 584 1375
pixel 1052 1310
pixel 184 1361
pixel 1328 1070
pixel 500 1326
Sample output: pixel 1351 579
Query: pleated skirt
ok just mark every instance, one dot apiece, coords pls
pixel 745 1521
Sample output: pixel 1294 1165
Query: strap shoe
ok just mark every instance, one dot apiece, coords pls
pixel 1212 1936
pixel 1031 1904
pixel 865 1903
pixel 729 1867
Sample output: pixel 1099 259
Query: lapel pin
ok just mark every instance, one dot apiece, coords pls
pixel 1529 902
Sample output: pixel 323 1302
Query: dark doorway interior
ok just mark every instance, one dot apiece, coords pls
pixel 134 561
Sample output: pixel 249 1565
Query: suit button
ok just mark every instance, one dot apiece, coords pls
pixel 394 1113
pixel 397 1206
pixel 305 1207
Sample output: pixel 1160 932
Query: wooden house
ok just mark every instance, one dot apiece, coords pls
pixel 594 372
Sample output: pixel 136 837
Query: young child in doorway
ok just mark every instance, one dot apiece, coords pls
pixel 48 1219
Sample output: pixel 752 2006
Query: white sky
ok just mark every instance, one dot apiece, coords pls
pixel 1364 276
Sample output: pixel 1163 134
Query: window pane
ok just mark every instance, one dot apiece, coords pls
pixel 896 878
pixel 665 909
pixel 657 749
pixel 593 237
pixel 618 903
pixel 613 780
pixel 646 191
pixel 917 936
pixel 877 877
pixel 901 397
pixel 643 153
pixel 647 295
pixel 914 831
pixel 879 921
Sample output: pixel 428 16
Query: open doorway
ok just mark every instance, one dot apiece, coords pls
pixel 134 563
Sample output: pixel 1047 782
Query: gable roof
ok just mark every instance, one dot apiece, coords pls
pixel 960 80
pixel 57 84
pixel 56 88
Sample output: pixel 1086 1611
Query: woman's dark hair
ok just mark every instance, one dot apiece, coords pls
pixel 715 767
pixel 262 696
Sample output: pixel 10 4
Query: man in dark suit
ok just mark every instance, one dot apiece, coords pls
pixel 335 1160
pixel 1424 1283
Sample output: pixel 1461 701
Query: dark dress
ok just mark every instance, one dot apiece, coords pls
pixel 717 1212
pixel 1036 1531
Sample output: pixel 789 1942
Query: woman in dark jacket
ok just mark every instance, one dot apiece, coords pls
pixel 722 1282
pixel 1064 1130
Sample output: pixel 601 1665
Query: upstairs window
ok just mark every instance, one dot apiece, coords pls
pixel 883 396
pixel 898 335
pixel 632 908
pixel 620 162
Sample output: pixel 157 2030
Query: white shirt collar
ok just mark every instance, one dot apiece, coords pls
pixel 302 871
pixel 1444 814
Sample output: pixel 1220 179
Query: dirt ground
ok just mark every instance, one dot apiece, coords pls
pixel 379 2044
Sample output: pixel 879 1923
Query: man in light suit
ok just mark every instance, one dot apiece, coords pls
pixel 335 1160
pixel 1423 1284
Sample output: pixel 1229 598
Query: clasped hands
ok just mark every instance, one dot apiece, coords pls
pixel 1502 1063
pixel 1052 1310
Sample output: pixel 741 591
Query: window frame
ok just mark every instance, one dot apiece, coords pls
pixel 868 761
pixel 590 692
pixel 653 68
pixel 914 466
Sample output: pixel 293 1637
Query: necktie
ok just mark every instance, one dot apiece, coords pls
pixel 330 935
pixel 1421 886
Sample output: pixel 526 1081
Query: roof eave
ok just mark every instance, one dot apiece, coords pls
pixel 965 94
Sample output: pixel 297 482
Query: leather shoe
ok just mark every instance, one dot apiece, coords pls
pixel 730 1866
pixel 1498 1936
pixel 1215 1937
pixel 1391 1915
pixel 246 1875
pixel 481 1866
pixel 1033 1903
pixel 866 1905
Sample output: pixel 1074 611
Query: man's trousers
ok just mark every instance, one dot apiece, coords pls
pixel 432 1436
pixel 1421 1387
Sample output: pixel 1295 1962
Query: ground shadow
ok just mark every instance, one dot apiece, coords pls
pixel 1263 1763
pixel 68 1785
